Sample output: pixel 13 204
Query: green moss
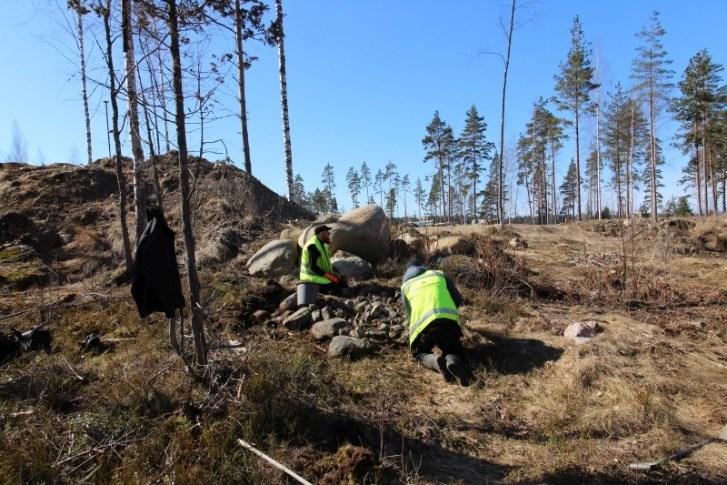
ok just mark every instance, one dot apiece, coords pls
pixel 20 269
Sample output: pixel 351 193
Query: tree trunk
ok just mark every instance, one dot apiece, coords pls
pixel 578 161
pixel 284 100
pixel 705 167
pixel 652 141
pixel 500 167
pixel 629 162
pixel 239 34
pixel 449 192
pixel 152 154
pixel 162 95
pixel 200 343
pixel 530 200
pixel 84 91
pixel 697 169
pixel 598 149
pixel 136 148
pixel 552 183
pixel 120 178
pixel 712 174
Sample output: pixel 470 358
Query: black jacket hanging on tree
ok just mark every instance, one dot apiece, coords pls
pixel 156 286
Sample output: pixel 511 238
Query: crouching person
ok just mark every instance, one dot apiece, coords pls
pixel 315 263
pixel 431 301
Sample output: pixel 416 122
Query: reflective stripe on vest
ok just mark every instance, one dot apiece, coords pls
pixel 324 262
pixel 429 300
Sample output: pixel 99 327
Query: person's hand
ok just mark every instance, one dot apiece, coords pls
pixel 332 278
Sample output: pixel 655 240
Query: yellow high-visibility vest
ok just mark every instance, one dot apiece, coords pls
pixel 324 262
pixel 429 300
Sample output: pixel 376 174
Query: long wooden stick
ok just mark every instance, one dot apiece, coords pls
pixel 276 464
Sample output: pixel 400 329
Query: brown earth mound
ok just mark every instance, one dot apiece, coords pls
pixel 69 214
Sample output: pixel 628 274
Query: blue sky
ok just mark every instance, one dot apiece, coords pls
pixel 364 77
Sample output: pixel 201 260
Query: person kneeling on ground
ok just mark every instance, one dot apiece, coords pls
pixel 315 262
pixel 431 301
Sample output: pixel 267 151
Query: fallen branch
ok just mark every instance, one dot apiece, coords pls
pixel 80 378
pixel 276 464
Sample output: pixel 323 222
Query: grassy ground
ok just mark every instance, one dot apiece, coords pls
pixel 541 410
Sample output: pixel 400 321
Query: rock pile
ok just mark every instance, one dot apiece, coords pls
pixel 366 322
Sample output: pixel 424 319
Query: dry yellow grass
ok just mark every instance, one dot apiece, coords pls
pixel 541 410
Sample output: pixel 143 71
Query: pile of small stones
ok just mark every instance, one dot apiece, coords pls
pixel 354 325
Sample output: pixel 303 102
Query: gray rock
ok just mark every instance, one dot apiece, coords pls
pixel 289 303
pixel 582 332
pixel 363 231
pixel 222 246
pixel 330 328
pixel 291 233
pixel 326 313
pixel 453 245
pixel 341 346
pixel 352 268
pixel 299 320
pixel 276 258
pixel 316 316
pixel 518 243
pixel 414 240
pixel 377 334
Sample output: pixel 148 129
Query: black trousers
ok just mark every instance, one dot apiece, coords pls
pixel 443 333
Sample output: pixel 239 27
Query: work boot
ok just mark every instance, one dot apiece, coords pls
pixel 458 369
pixel 437 364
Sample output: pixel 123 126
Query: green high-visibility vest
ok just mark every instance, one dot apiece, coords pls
pixel 324 262
pixel 429 300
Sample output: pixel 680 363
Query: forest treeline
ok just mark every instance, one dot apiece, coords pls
pixel 468 177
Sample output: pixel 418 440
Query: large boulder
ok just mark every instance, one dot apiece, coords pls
pixel 453 245
pixel 363 231
pixel 352 267
pixel 222 246
pixel 341 346
pixel 276 258
pixel 291 233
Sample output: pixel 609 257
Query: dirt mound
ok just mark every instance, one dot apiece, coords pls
pixel 69 214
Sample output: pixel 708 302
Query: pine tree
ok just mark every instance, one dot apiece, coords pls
pixel 379 179
pixel 574 85
pixel 490 194
pixel 354 185
pixel 278 32
pixel 320 202
pixel 615 139
pixel 404 188
pixel 652 75
pixel 474 149
pixel 419 196
pixel 542 135
pixel 439 144
pixel 328 178
pixel 298 195
pixel 698 109
pixel 365 177
pixel 568 190
pixel 435 194
pixel 649 183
